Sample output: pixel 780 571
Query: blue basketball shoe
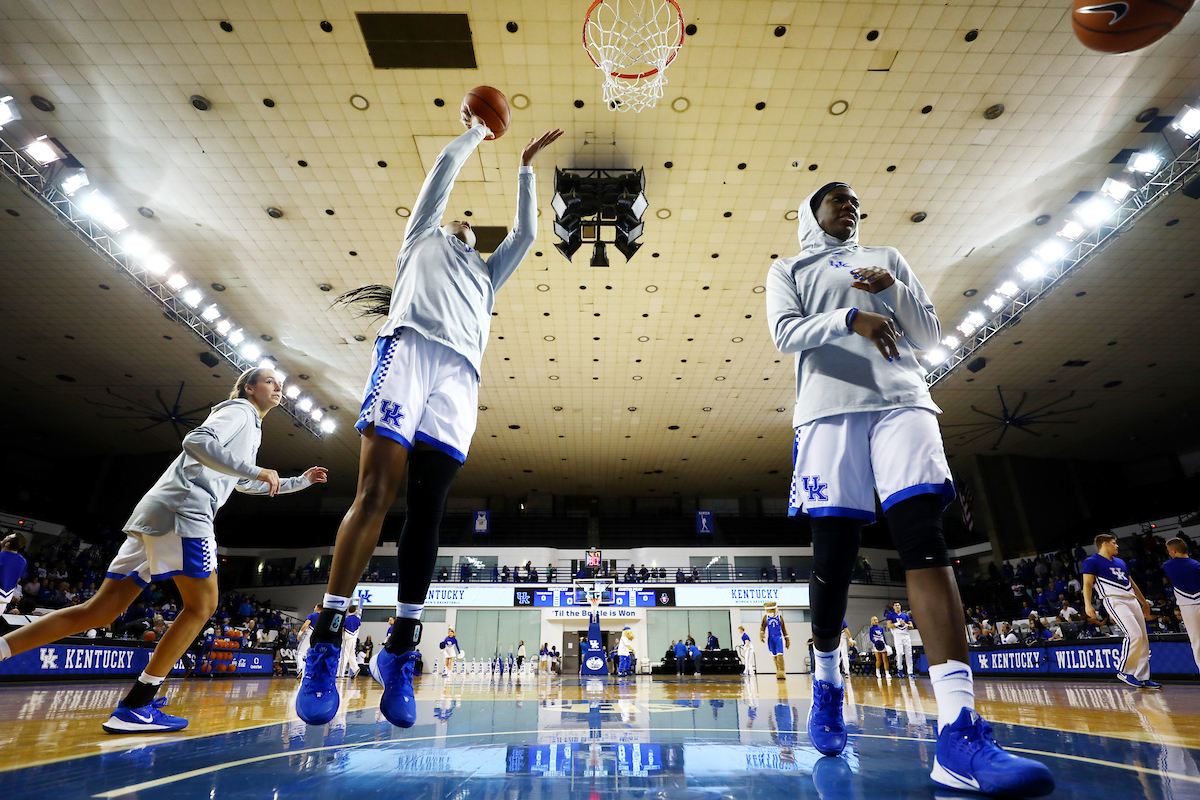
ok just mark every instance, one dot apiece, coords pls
pixel 318 700
pixel 969 758
pixel 826 728
pixel 147 719
pixel 1149 684
pixel 394 672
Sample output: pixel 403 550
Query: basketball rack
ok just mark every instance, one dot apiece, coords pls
pixel 633 42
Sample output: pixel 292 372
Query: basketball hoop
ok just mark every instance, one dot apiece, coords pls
pixel 633 42
pixel 594 602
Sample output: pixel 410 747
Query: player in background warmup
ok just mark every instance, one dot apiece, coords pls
pixel 1184 574
pixel 303 638
pixel 745 650
pixel 773 631
pixel 12 569
pixel 854 317
pixel 544 657
pixel 349 662
pixel 879 645
pixel 449 648
pixel 170 535
pixel 520 653
pixel 418 416
pixel 901 625
pixel 1109 577
pixel 844 649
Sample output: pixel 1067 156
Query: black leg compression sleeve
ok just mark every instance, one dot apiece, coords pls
pixel 835 546
pixel 430 474
pixel 916 526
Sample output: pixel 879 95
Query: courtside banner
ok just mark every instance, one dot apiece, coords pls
pixel 66 659
pixel 1166 658
pixel 1029 660
pixel 713 595
pixel 440 595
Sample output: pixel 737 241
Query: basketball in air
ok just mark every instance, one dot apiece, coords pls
pixel 490 105
pixel 148 636
pixel 1125 25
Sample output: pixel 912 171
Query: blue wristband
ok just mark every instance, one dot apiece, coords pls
pixel 850 319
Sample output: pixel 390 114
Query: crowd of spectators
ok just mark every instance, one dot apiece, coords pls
pixel 1042 597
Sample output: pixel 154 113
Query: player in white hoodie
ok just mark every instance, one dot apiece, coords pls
pixel 854 317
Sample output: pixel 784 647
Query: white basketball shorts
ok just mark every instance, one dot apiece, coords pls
pixel 155 558
pixel 840 461
pixel 421 391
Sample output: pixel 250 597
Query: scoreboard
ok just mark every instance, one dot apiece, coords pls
pixel 540 597
pixel 593 558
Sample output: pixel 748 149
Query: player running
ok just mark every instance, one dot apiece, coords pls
pixel 901 625
pixel 1125 603
pixel 1184 574
pixel 854 317
pixel 418 415
pixel 170 535
pixel 879 645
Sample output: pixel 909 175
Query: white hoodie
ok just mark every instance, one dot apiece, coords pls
pixel 837 371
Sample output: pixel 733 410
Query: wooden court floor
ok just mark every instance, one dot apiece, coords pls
pixel 534 737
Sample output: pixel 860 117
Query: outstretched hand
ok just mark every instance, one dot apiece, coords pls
pixel 536 144
pixel 317 474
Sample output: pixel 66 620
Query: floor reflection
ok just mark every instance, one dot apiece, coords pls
pixel 534 737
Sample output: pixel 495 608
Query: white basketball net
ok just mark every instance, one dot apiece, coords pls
pixel 633 42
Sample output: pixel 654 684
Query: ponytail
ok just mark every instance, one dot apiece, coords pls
pixel 371 301
pixel 248 378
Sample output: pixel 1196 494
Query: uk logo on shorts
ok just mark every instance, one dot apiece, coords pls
pixel 814 487
pixel 390 413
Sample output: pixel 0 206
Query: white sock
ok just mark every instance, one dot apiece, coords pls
pixel 5 650
pixel 151 680
pixel 954 690
pixel 826 667
pixel 409 610
pixel 335 602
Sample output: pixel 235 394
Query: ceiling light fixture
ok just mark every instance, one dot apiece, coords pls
pixel 1117 190
pixel 1145 162
pixel 210 313
pixel 995 302
pixel 223 326
pixel 1050 251
pixel 236 337
pixel 1095 211
pixel 177 281
pixel 937 356
pixel 292 391
pixel 1071 230
pixel 1031 269
pixel 8 110
pixel 328 425
pixel 971 324
pixel 101 209
pixel 1187 122
pixel 318 414
pixel 136 245
pixel 44 151
pixel 74 182
pixel 1008 289
pixel 250 352
pixel 950 341
pixel 192 297
pixel 305 405
pixel 157 263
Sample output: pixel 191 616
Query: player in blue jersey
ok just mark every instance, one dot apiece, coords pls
pixel 1108 576
pixel 745 651
pixel 304 639
pixel 419 412
pixel 349 663
pixel 854 318
pixel 901 624
pixel 773 631
pixel 12 568
pixel 1184 574
pixel 879 647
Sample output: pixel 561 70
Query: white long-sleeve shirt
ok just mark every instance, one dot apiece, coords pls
pixel 444 289
pixel 837 371
pixel 217 458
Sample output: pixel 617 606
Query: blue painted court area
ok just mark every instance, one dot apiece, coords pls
pixel 563 737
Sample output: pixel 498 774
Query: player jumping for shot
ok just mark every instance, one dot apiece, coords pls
pixel 864 421
pixel 418 415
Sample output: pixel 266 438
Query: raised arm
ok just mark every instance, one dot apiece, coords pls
pixel 792 330
pixel 435 192
pixel 512 251
pixel 208 443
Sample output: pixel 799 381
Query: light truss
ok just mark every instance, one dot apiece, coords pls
pixel 34 180
pixel 1156 189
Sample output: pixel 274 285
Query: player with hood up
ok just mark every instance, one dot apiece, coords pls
pixel 855 317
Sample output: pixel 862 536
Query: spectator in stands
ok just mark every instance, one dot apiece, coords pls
pixel 679 575
pixel 1041 602
pixel 582 574
pixel 711 644
pixel 87 592
pixel 680 650
pixel 495 574
pixel 1066 613
pixel 533 573
pixel 464 572
pixel 630 575
pixel 32 588
pixel 1038 630
pixel 643 574
pixel 504 574
pixel 549 573
pixel 987 635
pixel 1007 635
pixel 695 574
